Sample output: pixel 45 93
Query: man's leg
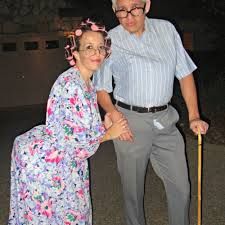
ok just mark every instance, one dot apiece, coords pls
pixel 132 160
pixel 169 162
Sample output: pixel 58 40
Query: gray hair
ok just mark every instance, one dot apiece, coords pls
pixel 114 2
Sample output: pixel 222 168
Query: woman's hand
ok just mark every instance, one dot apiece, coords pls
pixel 118 128
pixel 127 136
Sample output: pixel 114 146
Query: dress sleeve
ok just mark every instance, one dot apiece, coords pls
pixel 80 128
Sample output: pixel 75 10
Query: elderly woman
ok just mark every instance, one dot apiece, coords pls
pixel 49 168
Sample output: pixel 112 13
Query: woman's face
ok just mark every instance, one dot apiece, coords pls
pixel 92 51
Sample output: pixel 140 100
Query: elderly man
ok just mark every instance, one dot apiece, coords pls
pixel 147 54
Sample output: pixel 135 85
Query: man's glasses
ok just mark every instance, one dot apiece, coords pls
pixel 90 50
pixel 136 11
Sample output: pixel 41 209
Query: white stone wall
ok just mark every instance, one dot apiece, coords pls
pixel 27 76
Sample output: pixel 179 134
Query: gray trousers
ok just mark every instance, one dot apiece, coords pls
pixel 157 139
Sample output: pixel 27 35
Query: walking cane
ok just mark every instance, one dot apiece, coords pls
pixel 199 177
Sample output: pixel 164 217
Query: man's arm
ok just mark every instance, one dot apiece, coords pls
pixel 189 93
pixel 105 102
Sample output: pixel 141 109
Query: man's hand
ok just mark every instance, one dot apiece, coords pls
pixel 198 125
pixel 107 121
pixel 116 115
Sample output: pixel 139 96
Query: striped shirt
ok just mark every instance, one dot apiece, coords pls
pixel 144 68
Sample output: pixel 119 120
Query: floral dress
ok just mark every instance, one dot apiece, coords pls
pixel 49 168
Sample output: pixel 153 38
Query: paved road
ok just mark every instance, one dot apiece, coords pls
pixel 106 189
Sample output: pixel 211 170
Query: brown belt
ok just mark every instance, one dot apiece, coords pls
pixel 141 109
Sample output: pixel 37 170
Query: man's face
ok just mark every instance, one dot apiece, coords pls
pixel 133 24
